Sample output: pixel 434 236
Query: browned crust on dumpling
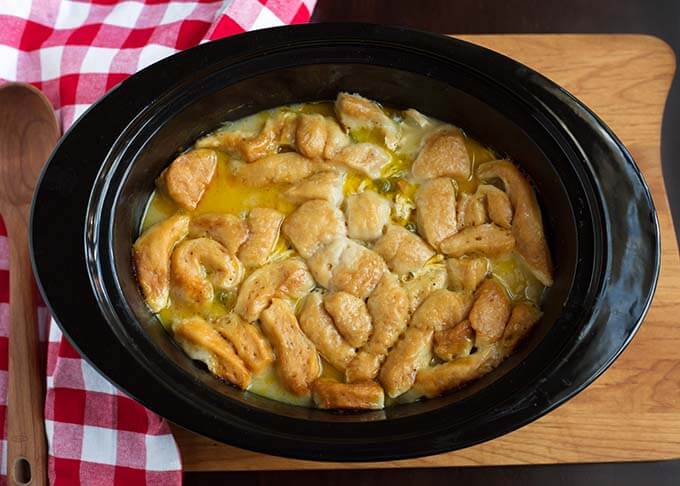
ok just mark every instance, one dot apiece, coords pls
pixel 486 239
pixel 490 312
pixel 364 395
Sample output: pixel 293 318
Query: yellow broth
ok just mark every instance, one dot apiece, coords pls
pixel 226 194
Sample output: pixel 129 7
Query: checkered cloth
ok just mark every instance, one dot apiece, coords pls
pixel 74 51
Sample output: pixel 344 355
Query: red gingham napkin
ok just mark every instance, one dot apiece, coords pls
pixel 74 51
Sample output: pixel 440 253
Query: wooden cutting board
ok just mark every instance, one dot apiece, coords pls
pixel 632 412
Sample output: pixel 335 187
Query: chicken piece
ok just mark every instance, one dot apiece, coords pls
pixel 454 342
pixel 322 185
pixel 436 213
pixel 365 395
pixel 278 131
pixel 228 230
pixel 199 267
pixel 358 271
pixel 442 309
pixel 389 309
pixel 336 139
pixel 444 154
pixel 319 328
pixel 490 312
pixel 498 205
pixel 527 225
pixel 287 279
pixel 203 343
pixel 323 262
pixel 403 251
pixel 426 281
pixel 151 255
pixel 435 380
pixel 247 340
pixel 187 178
pixel 367 214
pixel 411 353
pixel 471 211
pixel 355 111
pixel 263 232
pixel 388 306
pixel 350 316
pixel 318 136
pixel 313 225
pixel 366 158
pixel 522 319
pixel 467 273
pixel 287 167
pixel 486 239
pixel 296 358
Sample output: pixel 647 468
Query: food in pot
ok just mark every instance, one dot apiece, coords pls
pixel 344 255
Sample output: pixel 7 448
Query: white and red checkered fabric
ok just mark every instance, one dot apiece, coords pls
pixel 75 51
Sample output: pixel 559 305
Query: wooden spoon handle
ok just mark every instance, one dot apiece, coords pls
pixel 27 450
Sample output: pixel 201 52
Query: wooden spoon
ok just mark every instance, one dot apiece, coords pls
pixel 28 133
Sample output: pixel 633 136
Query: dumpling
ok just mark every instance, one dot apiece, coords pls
pixel 263 233
pixel 498 205
pixel 358 271
pixel 151 254
pixel 288 279
pixel 366 395
pixel 433 381
pixel 278 131
pixel 443 155
pixel 296 358
pixel 454 342
pixel 313 225
pixel 490 312
pixel 318 326
pixel 411 353
pixel 467 273
pixel 356 112
pixel 322 185
pixel 486 239
pixel 350 316
pixel 436 210
pixel 187 178
pixel 248 341
pixel 403 251
pixel 441 309
pixel 322 264
pixel 202 342
pixel 318 136
pixel 367 158
pixel 471 211
pixel 287 167
pixel 199 267
pixel 228 230
pixel 367 214
pixel 388 306
pixel 344 265
pixel 423 283
pixel 522 319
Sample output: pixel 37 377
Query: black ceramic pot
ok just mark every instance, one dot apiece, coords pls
pixel 598 212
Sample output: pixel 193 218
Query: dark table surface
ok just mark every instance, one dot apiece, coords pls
pixel 656 17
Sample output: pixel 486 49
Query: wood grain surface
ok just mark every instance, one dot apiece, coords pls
pixel 632 412
pixel 28 133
